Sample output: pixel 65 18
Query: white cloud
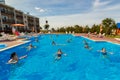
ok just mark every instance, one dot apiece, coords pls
pixel 40 9
pixel 80 19
pixel 100 10
pixel 109 8
pixel 90 18
pixel 113 7
pixel 98 4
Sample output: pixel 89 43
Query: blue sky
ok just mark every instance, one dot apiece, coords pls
pixel 69 12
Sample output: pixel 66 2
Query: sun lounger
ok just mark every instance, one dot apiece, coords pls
pixel 118 39
pixel 7 37
pixel 101 35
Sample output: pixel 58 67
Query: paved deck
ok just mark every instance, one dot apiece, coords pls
pixel 12 43
pixel 95 38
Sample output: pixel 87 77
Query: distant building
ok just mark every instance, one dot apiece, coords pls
pixel 10 15
pixel 2 1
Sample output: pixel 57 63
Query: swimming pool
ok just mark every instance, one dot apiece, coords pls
pixel 78 64
pixel 3 46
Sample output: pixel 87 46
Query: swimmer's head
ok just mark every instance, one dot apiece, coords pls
pixel 30 44
pixel 59 50
pixel 13 54
pixel 103 48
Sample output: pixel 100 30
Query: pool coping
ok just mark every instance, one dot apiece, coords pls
pixel 100 40
pixel 24 42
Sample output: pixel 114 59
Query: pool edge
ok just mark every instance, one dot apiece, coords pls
pixel 100 40
pixel 24 42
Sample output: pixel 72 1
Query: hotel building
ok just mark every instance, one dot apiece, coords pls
pixel 10 15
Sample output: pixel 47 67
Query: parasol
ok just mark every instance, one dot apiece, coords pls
pixel 19 25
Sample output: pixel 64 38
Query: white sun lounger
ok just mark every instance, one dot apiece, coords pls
pixel 118 39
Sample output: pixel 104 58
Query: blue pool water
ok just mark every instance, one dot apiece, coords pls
pixel 2 46
pixel 78 64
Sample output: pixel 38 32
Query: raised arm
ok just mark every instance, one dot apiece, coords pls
pixel 23 57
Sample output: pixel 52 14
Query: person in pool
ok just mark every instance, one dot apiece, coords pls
pixel 36 39
pixel 53 43
pixel 104 52
pixel 69 40
pixel 30 47
pixel 85 42
pixel 14 58
pixel 86 45
pixel 59 54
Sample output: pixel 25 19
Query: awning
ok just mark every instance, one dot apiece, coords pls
pixel 118 25
pixel 17 25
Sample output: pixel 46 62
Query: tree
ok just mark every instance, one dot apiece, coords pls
pixel 62 29
pixel 69 29
pixel 78 29
pixel 95 28
pixel 53 29
pixel 108 25
pixel 86 29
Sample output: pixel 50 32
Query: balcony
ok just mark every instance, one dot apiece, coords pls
pixel 8 12
pixel 19 17
pixel 8 21
pixel 30 25
pixel 19 22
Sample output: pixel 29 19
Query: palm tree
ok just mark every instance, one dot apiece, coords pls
pixel 46 26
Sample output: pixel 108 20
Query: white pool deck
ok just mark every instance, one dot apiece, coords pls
pixel 12 44
pixel 94 38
